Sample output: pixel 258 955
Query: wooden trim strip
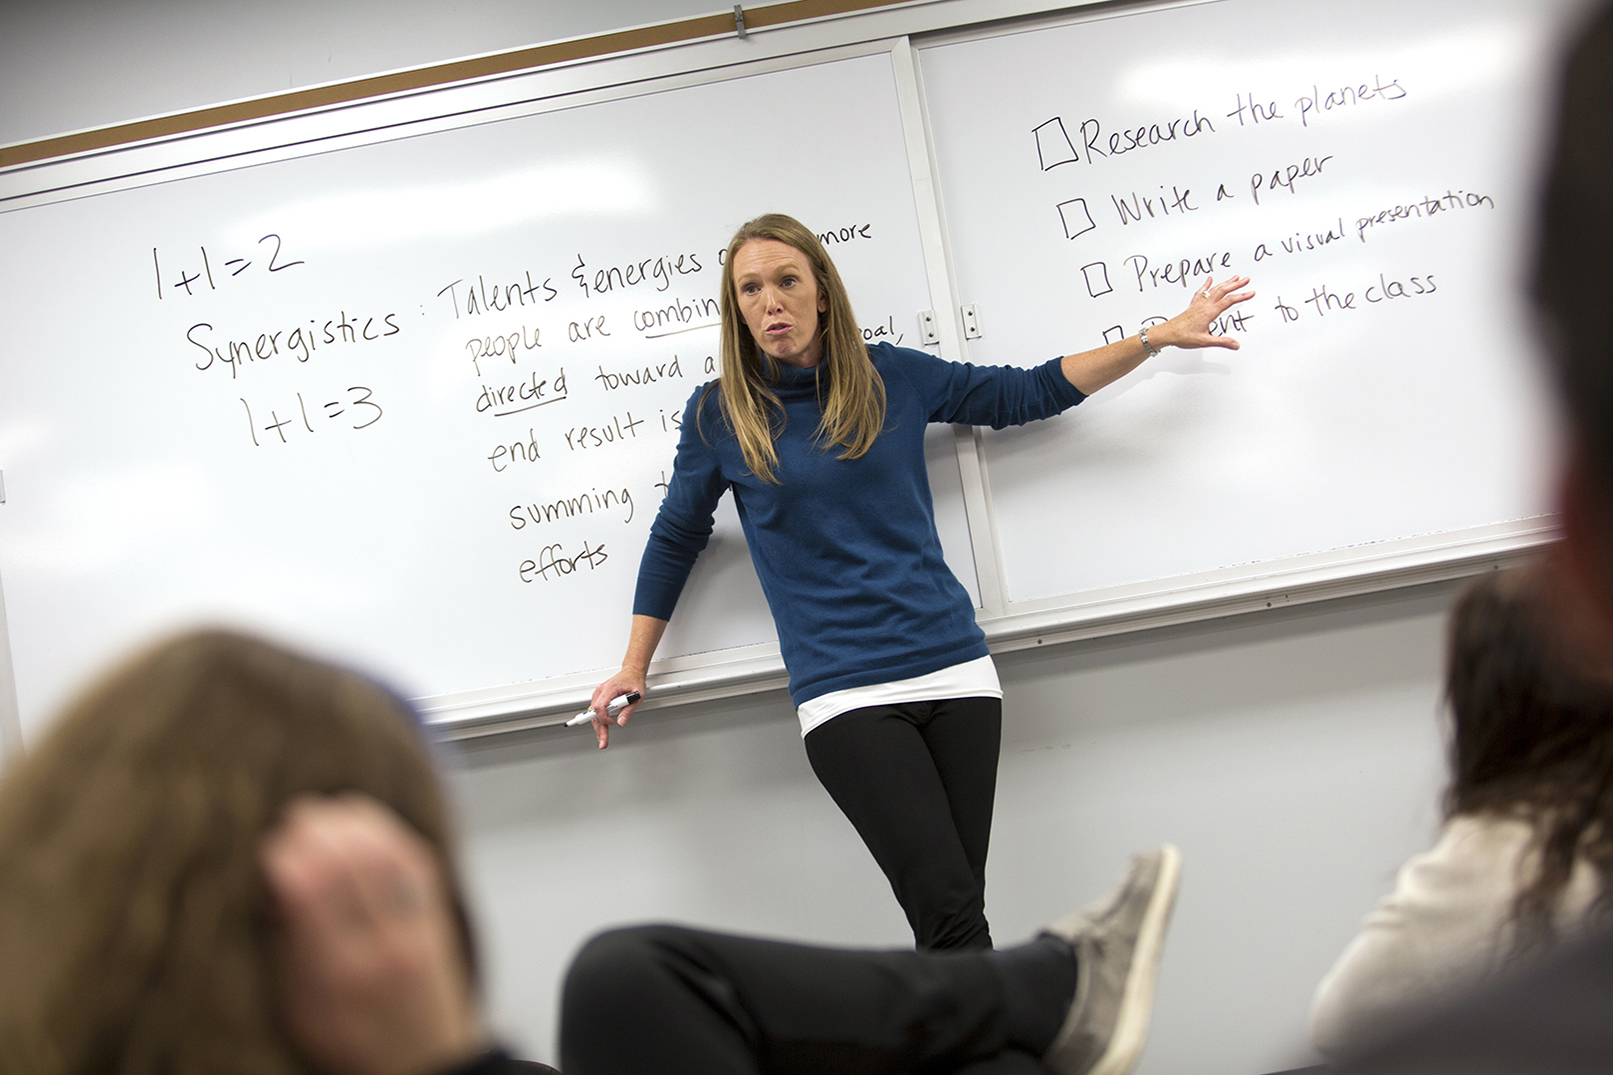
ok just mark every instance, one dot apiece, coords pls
pixel 420 78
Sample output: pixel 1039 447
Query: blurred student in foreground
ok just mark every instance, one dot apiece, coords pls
pixel 1558 1017
pixel 227 857
pixel 1522 862
pixel 136 931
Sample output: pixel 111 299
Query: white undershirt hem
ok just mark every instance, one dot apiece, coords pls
pixel 971 679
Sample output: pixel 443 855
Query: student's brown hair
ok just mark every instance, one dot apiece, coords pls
pixel 1532 737
pixel 134 930
pixel 854 407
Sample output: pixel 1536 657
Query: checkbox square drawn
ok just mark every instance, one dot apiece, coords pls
pixel 1097 276
pixel 1076 217
pixel 1114 334
pixel 1053 145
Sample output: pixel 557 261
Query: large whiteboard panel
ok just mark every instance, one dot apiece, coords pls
pixel 1370 168
pixel 410 402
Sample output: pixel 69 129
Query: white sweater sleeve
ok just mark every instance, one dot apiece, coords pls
pixel 1444 927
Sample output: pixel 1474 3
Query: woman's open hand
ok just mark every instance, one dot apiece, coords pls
pixel 1091 370
pixel 1191 327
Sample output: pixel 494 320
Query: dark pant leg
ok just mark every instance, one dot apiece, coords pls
pixel 878 768
pixel 665 999
pixel 964 736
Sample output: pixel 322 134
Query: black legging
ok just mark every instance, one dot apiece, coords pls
pixel 672 1000
pixel 918 780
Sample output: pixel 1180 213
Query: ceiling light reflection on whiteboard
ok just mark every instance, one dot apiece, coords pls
pixel 23 438
pixel 114 518
pixel 382 217
pixel 1444 64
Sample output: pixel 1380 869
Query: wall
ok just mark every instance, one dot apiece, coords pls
pixel 1293 755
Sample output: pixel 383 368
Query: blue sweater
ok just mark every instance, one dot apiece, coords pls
pixel 846 549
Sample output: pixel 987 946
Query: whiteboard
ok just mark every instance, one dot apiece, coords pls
pixel 363 501
pixel 1370 168
pixel 409 403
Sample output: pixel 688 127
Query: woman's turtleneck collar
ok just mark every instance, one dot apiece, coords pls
pixel 791 382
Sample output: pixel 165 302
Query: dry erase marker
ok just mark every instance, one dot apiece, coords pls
pixel 616 706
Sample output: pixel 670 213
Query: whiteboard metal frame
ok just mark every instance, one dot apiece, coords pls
pixel 936 20
pixel 1296 580
pixel 1210 595
pixel 921 163
pixel 702 677
pixel 311 134
pixel 769 27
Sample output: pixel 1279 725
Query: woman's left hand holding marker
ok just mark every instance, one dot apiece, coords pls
pixel 643 638
pixel 627 681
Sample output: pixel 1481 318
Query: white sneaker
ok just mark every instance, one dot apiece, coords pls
pixel 1117 946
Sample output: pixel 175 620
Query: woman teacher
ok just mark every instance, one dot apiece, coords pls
pixel 821 439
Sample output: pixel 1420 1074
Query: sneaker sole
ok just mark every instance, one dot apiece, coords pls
pixel 1137 1002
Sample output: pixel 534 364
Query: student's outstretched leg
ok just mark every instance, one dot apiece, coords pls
pixel 664 999
pixel 926 824
pixel 675 1000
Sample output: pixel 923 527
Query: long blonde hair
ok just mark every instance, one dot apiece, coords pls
pixel 854 412
pixel 133 913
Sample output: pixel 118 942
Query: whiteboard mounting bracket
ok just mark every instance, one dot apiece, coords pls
pixel 929 335
pixel 971 323
pixel 739 21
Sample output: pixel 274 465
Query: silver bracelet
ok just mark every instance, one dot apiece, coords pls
pixel 1153 352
